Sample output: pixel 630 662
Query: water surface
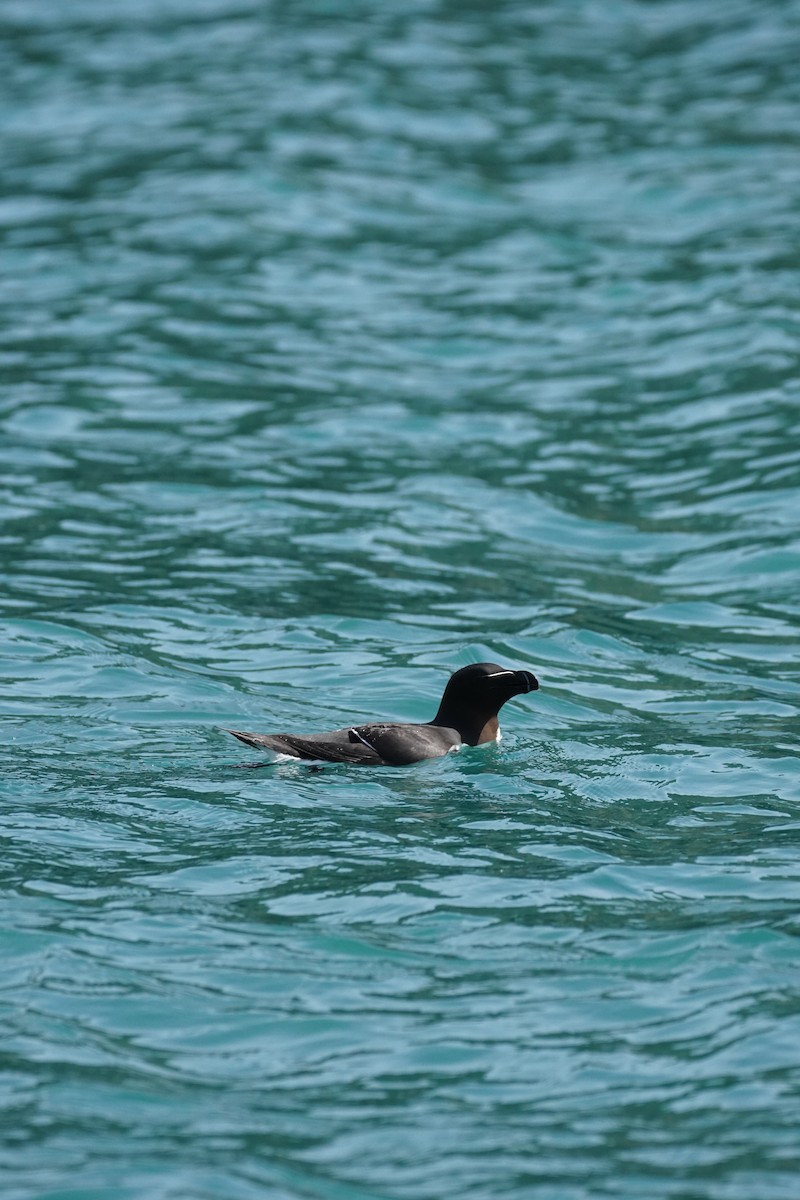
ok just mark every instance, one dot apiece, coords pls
pixel 341 346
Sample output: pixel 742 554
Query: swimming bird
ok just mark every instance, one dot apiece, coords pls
pixel 466 716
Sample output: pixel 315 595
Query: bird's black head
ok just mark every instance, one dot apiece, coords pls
pixel 474 696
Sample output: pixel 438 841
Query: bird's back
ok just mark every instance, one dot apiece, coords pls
pixel 370 745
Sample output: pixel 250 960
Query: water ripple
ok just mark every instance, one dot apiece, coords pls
pixel 340 349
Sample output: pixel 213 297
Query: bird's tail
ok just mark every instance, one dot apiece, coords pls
pixel 261 741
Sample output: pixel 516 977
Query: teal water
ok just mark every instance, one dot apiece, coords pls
pixel 343 345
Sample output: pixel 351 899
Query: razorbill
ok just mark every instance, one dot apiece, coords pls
pixel 467 716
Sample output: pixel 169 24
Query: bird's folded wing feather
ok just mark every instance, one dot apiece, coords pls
pixel 338 747
pixel 399 745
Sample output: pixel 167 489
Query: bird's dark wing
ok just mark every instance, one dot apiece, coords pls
pixel 364 745
pixel 337 746
pixel 399 745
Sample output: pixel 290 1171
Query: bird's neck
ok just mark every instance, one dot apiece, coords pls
pixel 489 732
pixel 474 731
